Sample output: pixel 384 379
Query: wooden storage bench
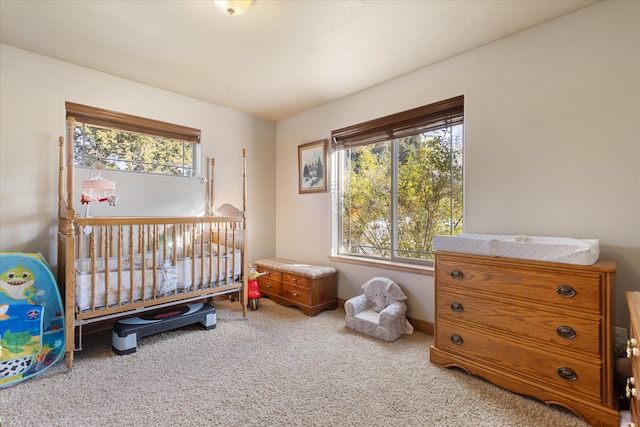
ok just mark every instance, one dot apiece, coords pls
pixel 312 288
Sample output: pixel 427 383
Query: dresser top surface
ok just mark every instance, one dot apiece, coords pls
pixel 604 265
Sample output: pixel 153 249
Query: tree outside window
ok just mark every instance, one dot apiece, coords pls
pixel 134 152
pixel 395 193
pixel 131 143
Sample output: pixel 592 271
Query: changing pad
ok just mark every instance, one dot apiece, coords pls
pixel 554 249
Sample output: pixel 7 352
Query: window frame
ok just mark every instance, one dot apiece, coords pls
pixel 390 128
pixel 99 117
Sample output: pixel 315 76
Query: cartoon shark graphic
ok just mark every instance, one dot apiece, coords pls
pixel 17 283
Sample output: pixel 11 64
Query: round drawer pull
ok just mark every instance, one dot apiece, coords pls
pixel 630 390
pixel 456 306
pixel 566 332
pixel 567 373
pixel 295 293
pixel 456 274
pixel 268 285
pixel 632 348
pixel 566 291
pixel 456 339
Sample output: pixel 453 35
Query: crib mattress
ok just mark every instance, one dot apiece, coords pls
pixel 554 249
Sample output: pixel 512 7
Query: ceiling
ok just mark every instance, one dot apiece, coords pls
pixel 278 59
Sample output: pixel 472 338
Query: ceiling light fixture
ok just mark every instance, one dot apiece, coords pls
pixel 233 7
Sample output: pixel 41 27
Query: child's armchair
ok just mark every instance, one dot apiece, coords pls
pixel 380 312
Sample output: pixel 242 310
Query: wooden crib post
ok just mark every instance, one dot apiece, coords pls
pixel 67 242
pixel 61 212
pixel 245 266
pixel 70 168
pixel 212 188
pixel 61 176
pixel 69 297
pixel 244 184
pixel 132 258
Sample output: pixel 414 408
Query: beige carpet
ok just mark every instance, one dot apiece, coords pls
pixel 276 367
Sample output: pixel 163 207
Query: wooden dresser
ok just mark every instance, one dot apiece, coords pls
pixel 312 288
pixel 536 328
pixel 632 389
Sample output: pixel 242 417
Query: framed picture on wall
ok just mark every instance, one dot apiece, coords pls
pixel 312 167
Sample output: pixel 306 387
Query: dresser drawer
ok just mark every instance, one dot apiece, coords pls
pixel 269 286
pixel 296 293
pixel 634 406
pixel 554 287
pixel 270 274
pixel 271 282
pixel 633 352
pixel 566 332
pixel 293 279
pixel 522 360
pixel 634 401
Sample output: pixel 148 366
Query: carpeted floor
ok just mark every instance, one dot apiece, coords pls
pixel 275 367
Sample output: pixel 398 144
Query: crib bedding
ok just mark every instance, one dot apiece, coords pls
pixel 541 248
pixel 85 265
pixel 155 282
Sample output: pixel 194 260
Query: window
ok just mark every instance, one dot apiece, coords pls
pixel 129 143
pixel 399 183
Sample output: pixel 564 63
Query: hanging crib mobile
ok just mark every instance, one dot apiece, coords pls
pixel 98 189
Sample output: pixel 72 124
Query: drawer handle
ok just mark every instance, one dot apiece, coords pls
pixel 567 373
pixel 456 274
pixel 630 390
pixel 456 306
pixel 632 348
pixel 566 332
pixel 566 291
pixel 456 339
pixel 268 285
pixel 295 293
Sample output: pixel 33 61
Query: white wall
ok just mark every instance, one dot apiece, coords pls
pixel 33 92
pixel 552 144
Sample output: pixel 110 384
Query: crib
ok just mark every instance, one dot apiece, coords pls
pixel 112 267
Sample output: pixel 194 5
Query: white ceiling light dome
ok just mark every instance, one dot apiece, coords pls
pixel 233 7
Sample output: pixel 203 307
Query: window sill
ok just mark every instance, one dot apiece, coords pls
pixel 390 265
